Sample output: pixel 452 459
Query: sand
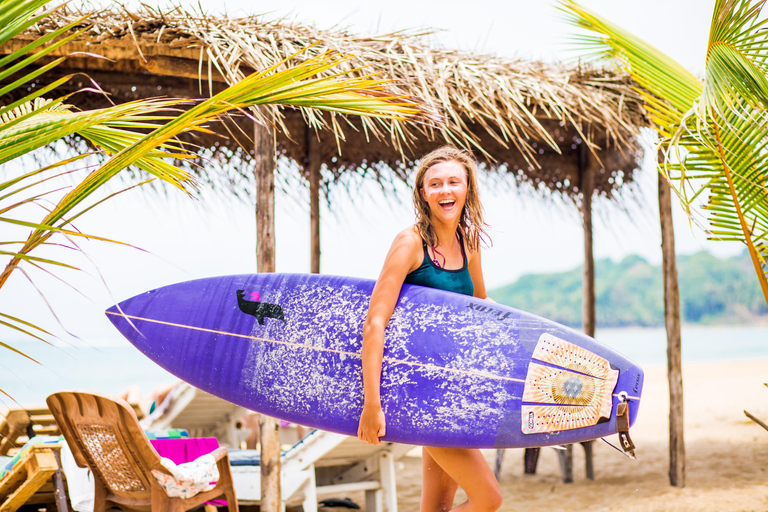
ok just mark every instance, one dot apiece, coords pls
pixel 726 453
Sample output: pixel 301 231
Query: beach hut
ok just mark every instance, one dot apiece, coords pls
pixel 553 129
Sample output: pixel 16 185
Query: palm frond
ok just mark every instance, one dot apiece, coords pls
pixel 714 135
pixel 140 133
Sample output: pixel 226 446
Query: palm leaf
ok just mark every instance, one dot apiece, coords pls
pixel 713 135
pixel 120 132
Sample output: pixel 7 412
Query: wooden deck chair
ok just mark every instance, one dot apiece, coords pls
pixel 199 413
pixel 36 479
pixel 104 435
pixel 18 423
pixel 329 464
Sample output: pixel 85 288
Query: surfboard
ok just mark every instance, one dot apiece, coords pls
pixel 457 371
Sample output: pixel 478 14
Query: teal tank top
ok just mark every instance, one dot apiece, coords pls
pixel 430 275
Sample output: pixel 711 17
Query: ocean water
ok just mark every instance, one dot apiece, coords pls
pixel 112 366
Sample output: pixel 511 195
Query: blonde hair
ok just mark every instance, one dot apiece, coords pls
pixel 471 222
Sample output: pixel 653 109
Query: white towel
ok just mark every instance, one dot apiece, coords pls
pixel 189 479
pixel 79 481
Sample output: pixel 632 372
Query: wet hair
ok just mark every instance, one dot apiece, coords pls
pixel 471 222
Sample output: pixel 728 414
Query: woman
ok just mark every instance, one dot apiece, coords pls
pixel 442 250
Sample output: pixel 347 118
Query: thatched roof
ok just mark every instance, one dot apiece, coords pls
pixel 521 117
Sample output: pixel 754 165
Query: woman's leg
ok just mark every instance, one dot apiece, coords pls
pixel 438 488
pixel 447 468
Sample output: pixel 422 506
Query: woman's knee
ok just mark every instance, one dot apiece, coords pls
pixel 489 499
pixel 495 499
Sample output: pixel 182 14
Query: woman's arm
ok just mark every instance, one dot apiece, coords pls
pixel 401 259
pixel 476 273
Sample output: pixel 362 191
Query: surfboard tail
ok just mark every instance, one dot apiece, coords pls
pixel 567 387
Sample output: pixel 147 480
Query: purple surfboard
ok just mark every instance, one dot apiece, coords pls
pixel 457 371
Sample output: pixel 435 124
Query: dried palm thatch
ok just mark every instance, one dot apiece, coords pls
pixel 528 119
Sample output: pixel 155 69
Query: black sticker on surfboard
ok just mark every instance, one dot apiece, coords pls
pixel 258 309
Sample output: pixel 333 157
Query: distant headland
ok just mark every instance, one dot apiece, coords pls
pixel 629 293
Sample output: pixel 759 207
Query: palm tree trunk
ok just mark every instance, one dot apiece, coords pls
pixel 264 158
pixel 313 165
pixel 672 322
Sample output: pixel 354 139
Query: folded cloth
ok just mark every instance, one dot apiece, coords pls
pixel 244 457
pixel 171 433
pixel 188 479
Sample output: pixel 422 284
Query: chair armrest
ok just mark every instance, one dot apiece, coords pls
pixel 161 469
pixel 219 453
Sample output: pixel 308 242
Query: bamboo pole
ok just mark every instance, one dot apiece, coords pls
pixel 313 165
pixel 672 322
pixel 264 159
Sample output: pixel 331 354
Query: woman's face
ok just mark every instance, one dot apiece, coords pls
pixel 444 188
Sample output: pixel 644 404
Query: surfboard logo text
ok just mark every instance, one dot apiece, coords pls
pixel 257 309
pixel 491 311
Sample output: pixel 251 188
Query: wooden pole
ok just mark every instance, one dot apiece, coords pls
pixel 672 322
pixel 264 159
pixel 588 276
pixel 588 308
pixel 313 165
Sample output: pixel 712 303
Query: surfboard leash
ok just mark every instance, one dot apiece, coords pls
pixel 622 426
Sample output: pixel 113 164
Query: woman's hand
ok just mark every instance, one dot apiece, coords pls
pixel 372 424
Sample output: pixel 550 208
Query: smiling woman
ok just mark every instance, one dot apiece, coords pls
pixel 442 250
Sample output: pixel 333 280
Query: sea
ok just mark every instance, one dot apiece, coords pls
pixel 113 365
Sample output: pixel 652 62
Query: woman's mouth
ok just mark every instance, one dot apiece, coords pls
pixel 447 204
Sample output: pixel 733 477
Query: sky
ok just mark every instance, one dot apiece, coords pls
pixel 182 239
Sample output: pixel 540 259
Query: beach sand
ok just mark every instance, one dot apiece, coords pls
pixel 726 454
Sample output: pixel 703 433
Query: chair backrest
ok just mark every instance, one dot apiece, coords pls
pixel 104 435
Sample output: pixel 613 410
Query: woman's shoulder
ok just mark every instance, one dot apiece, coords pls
pixel 409 237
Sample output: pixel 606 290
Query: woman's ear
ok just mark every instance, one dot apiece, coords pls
pixel 423 194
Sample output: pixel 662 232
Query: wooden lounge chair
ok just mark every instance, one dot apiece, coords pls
pixel 104 435
pixel 36 479
pixel 329 464
pixel 17 424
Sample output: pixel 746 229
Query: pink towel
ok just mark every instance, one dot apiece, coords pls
pixel 184 449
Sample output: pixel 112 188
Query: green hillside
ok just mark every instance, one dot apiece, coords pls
pixel 629 293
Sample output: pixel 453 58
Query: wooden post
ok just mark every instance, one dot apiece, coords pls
pixel 313 166
pixel 264 159
pixel 588 309
pixel 672 322
pixel 587 186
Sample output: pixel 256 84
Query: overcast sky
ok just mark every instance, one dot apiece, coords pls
pixel 187 239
